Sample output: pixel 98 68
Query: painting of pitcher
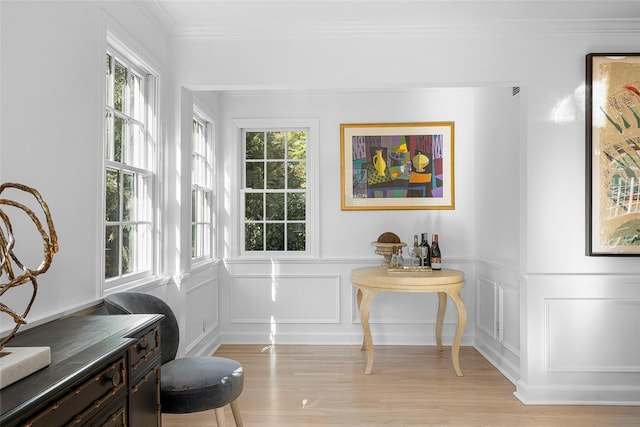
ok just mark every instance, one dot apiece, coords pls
pixel 378 163
pixel 407 166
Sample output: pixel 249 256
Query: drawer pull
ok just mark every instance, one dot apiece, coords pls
pixel 116 379
pixel 144 359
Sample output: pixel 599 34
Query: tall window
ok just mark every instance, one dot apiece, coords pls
pixel 130 169
pixel 201 189
pixel 275 202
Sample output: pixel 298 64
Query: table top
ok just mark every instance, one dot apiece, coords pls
pixel 379 277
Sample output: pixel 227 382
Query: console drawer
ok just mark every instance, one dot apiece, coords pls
pixel 85 400
pixel 144 353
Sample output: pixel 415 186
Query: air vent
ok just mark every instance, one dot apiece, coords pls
pixel 516 90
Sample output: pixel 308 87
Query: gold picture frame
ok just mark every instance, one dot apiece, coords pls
pixel 397 166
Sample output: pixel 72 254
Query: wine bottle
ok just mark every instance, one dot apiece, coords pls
pixel 425 252
pixel 436 256
pixel 415 253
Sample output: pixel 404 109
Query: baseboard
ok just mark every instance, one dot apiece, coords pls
pixel 333 339
pixel 506 368
pixel 578 395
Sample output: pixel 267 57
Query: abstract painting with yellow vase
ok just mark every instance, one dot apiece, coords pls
pixel 397 166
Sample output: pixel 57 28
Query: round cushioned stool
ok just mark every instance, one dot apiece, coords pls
pixel 199 383
pixel 188 384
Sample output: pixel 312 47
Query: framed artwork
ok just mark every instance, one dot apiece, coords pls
pixel 397 166
pixel 612 93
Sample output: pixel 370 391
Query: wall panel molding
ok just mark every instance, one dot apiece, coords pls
pixel 579 334
pixel 582 345
pixel 299 299
pixel 487 314
pixel 509 337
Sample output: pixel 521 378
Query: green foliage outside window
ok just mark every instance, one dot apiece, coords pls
pixel 126 180
pixel 275 190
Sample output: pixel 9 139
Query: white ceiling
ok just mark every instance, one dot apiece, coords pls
pixel 200 19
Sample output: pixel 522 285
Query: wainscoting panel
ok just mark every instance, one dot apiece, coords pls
pixel 487 314
pixel 284 299
pixel 202 300
pixel 200 291
pixel 582 339
pixel 583 335
pixel 314 302
pixel 498 316
pixel 509 319
pixel 406 308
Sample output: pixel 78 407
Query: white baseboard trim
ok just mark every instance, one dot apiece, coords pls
pixel 301 338
pixel 506 368
pixel 578 395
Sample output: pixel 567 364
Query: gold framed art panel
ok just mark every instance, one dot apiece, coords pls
pixel 397 166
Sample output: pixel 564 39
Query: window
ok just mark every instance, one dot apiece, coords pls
pixel 276 199
pixel 130 169
pixel 201 189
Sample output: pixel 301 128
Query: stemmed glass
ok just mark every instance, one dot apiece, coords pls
pixel 424 253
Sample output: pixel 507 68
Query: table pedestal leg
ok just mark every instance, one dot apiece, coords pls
pixel 462 322
pixel 442 306
pixel 364 298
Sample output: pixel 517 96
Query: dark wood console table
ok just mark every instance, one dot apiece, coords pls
pixel 104 371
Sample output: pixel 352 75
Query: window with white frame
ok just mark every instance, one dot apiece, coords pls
pixel 202 196
pixel 130 167
pixel 276 200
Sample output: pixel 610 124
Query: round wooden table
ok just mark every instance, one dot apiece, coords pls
pixel 371 280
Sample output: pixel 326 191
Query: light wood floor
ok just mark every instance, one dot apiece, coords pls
pixel 287 386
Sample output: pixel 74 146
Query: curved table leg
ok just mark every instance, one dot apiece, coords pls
pixel 365 298
pixel 462 322
pixel 442 306
pixel 359 301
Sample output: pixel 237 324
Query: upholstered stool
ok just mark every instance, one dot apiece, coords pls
pixel 189 384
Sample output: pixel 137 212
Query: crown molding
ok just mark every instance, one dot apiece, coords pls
pixel 498 28
pixel 279 20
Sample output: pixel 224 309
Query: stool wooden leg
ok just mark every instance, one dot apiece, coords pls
pixel 220 420
pixel 235 409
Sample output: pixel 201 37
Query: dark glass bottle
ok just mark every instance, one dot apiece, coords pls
pixel 436 255
pixel 425 253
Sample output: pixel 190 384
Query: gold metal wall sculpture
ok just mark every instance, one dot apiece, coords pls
pixel 16 272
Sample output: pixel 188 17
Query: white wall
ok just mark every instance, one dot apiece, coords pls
pixel 52 72
pixel 499 183
pixel 345 236
pixel 348 234
pixel 51 132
